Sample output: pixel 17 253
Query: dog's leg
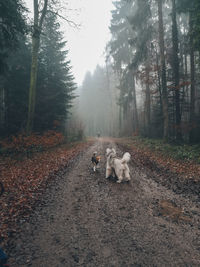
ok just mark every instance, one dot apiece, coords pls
pixel 108 172
pixel 119 180
pixel 127 174
pixel 120 176
pixel 114 173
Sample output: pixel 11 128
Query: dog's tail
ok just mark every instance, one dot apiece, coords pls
pixel 126 158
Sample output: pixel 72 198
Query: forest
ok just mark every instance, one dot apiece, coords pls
pixel 149 85
pixel 152 70
pixel 37 86
pixel 106 172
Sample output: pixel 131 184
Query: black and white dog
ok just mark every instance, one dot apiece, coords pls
pixel 116 166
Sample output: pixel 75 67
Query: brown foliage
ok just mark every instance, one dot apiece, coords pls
pixel 25 180
pixel 23 143
pixel 144 156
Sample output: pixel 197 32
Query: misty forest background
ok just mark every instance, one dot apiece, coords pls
pixel 149 85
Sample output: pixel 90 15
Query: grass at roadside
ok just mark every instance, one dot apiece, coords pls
pixel 178 152
pixel 181 152
pixel 182 160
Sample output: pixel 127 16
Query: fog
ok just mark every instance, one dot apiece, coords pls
pixel 118 68
pixel 145 59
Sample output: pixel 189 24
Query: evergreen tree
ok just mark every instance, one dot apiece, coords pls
pixel 141 23
pixel 121 33
pixel 12 24
pixel 193 9
pixel 16 83
pixel 95 107
pixel 55 85
pixel 122 54
pixel 12 29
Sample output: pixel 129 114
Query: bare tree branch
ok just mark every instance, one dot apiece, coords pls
pixel 70 22
pixel 44 11
pixel 35 13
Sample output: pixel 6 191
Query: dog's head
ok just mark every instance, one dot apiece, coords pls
pixel 98 158
pixel 110 153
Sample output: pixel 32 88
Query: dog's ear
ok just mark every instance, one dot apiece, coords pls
pixel 108 150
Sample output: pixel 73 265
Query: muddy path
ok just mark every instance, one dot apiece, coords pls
pixel 86 220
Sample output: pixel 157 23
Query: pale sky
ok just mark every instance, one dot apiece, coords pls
pixel 86 45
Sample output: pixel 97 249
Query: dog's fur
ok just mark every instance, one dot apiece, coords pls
pixel 116 166
pixel 95 161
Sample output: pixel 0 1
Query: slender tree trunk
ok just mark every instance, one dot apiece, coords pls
pixel 120 120
pixel 163 73
pixel 159 82
pixel 182 99
pixel 148 102
pixel 176 72
pixel 186 77
pixel 192 89
pixel 110 100
pixel 34 64
pixel 121 110
pixel 2 107
pixel 33 81
pixel 135 115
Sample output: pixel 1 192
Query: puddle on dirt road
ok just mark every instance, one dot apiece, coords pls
pixel 171 211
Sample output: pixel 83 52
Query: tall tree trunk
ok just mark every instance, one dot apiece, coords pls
pixel 192 89
pixel 33 81
pixel 120 120
pixel 110 100
pixel 159 82
pixel 181 70
pixel 148 102
pixel 38 22
pixel 121 111
pixel 135 115
pixel 176 72
pixel 2 107
pixel 163 73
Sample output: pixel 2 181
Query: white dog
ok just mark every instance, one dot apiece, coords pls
pixel 117 166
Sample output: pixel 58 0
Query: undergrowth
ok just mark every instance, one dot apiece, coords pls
pixel 181 152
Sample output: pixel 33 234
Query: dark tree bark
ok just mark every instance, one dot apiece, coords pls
pixel 148 102
pixel 135 114
pixel 163 73
pixel 38 22
pixel 192 89
pixel 176 72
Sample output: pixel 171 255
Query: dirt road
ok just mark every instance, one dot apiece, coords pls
pixel 86 220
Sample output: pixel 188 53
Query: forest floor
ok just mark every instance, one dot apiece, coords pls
pixel 83 219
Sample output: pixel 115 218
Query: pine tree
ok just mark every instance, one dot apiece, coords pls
pixel 55 87
pixel 12 29
pixel 12 25
pixel 16 83
pixel 193 9
pixel 141 23
pixel 122 54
